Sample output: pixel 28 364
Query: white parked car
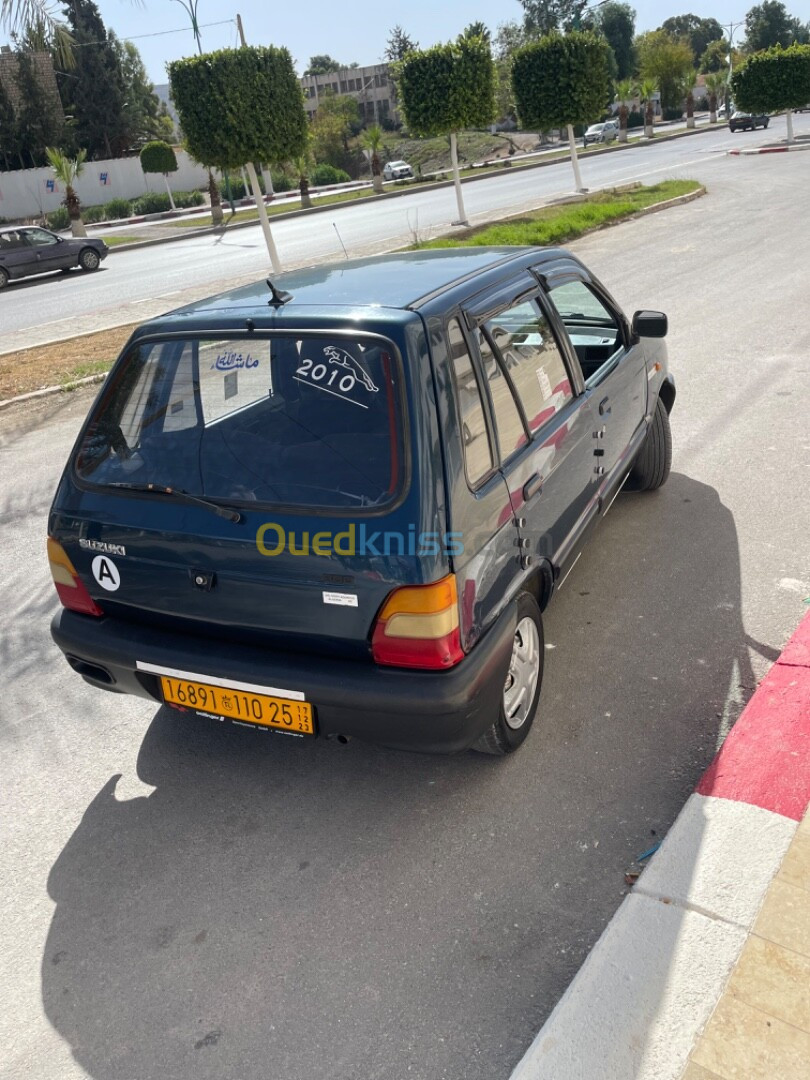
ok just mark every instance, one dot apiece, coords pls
pixel 601 133
pixel 397 170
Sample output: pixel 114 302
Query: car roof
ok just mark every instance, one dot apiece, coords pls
pixel 401 280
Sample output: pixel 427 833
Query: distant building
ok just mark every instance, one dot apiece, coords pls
pixel 43 71
pixel 370 86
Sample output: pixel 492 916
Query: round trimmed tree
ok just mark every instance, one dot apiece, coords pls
pixel 446 89
pixel 773 80
pixel 238 106
pixel 159 157
pixel 562 80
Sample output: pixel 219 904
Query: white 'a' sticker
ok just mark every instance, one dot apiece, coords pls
pixel 106 573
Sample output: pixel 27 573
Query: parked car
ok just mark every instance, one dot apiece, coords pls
pixel 803 108
pixel 397 170
pixel 722 112
pixel 601 133
pixel 741 120
pixel 340 509
pixel 29 249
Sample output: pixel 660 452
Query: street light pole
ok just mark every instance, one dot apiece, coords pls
pixel 190 7
pixel 732 26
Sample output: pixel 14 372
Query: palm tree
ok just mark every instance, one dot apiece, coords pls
pixel 372 140
pixel 688 86
pixel 625 91
pixel 66 170
pixel 34 19
pixel 646 92
pixel 301 165
pixel 715 82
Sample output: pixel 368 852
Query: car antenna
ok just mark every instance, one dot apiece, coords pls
pixel 279 296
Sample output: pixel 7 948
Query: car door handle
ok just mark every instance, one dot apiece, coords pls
pixel 604 408
pixel 533 486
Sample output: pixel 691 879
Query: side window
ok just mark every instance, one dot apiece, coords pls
pixel 10 241
pixel 39 238
pixel 511 432
pixel 594 330
pixel 477 451
pixel 529 352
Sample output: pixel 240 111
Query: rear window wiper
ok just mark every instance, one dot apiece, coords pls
pixel 183 496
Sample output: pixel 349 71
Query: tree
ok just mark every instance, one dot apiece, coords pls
pixel 700 33
pixel 446 89
pixel 617 22
pixel 38 119
pixel 688 92
pixel 372 140
pixel 159 157
pixel 477 30
pixel 336 120
pixel 541 17
pixel 647 91
pixel 302 164
pixel 399 45
pixel 18 17
pixel 93 93
pixel 9 144
pixel 625 91
pixel 509 37
pixel 714 57
pixel 666 60
pixel 715 83
pixel 561 81
pixel 323 65
pixel 144 115
pixel 67 170
pixel 773 80
pixel 769 24
pixel 238 106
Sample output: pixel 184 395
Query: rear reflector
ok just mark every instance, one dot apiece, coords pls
pixel 69 586
pixel 418 627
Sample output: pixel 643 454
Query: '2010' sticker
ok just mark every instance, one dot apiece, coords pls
pixel 339 373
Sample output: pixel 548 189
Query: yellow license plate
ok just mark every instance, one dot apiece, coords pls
pixel 250 708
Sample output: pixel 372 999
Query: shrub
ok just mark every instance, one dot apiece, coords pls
pixel 58 219
pixel 328 174
pixel 673 114
pixel 635 119
pixel 153 202
pixel 282 182
pixel 92 214
pixel 117 208
pixel 387 124
pixel 184 199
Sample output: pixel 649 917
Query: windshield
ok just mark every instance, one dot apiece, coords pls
pixel 301 421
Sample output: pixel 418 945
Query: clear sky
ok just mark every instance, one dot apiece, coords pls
pixel 350 31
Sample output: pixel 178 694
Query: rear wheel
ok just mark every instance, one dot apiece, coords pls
pixel 3 277
pixel 521 689
pixel 89 259
pixel 651 467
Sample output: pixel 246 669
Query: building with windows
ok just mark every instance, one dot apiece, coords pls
pixel 371 86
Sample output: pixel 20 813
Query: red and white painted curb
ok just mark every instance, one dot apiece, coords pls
pixel 651 982
pixel 768 150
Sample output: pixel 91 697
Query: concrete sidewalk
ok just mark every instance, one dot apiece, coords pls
pixel 704 971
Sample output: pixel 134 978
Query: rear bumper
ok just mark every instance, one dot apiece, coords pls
pixel 439 712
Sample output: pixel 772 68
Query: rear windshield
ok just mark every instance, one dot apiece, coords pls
pixel 297 421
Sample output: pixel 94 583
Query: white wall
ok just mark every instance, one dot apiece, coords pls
pixel 26 192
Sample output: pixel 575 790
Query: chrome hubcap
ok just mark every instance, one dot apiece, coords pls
pixel 91 260
pixel 524 671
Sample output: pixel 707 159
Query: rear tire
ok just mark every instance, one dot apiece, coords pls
pixel 651 467
pixel 3 277
pixel 89 259
pixel 522 684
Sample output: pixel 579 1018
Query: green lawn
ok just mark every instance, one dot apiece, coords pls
pixel 558 224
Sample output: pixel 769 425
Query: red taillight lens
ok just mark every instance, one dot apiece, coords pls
pixel 418 627
pixel 71 591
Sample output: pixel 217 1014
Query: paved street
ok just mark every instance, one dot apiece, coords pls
pixel 184 903
pixel 133 284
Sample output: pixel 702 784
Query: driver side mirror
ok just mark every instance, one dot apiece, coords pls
pixel 651 324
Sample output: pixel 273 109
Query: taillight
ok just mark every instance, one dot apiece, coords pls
pixel 418 627
pixel 69 586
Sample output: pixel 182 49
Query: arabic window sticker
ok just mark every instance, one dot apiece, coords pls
pixel 232 361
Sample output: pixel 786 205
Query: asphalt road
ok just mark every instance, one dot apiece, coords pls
pixel 130 278
pixel 184 903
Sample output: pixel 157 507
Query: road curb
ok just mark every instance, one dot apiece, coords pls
pixel 767 150
pixel 651 982
pixel 49 390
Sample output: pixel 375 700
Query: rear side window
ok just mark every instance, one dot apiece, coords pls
pixel 511 432
pixel 530 355
pixel 478 460
pixel 295 421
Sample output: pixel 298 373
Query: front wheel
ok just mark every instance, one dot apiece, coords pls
pixel 89 259
pixel 3 277
pixel 766 123
pixel 521 690
pixel 651 467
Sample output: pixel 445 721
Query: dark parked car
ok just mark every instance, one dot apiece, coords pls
pixel 741 120
pixel 341 509
pixel 29 249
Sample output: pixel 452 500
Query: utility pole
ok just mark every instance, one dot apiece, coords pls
pixel 257 191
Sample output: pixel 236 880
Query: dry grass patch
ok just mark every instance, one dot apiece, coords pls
pixel 62 363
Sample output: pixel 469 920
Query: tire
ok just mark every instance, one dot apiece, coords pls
pixel 3 277
pixel 651 467
pixel 517 711
pixel 89 259
pixel 766 123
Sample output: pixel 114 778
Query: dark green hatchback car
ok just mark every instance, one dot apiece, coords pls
pixel 337 503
